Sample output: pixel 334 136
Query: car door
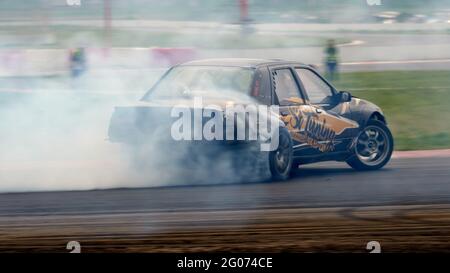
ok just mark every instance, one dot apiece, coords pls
pixel 294 111
pixel 331 127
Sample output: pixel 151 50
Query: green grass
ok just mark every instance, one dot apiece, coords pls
pixel 416 104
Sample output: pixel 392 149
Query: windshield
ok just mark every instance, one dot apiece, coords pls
pixel 209 81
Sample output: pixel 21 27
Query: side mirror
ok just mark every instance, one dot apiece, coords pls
pixel 344 96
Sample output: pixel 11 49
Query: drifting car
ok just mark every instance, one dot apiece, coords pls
pixel 316 122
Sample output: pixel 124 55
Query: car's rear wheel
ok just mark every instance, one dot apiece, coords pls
pixel 373 147
pixel 281 159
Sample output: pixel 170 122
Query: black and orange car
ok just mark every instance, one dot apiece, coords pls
pixel 316 122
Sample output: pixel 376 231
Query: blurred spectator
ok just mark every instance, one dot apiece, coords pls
pixel 243 6
pixel 77 62
pixel 331 60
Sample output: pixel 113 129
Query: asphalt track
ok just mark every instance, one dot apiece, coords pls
pixel 325 207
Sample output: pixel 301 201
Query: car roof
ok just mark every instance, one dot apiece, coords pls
pixel 238 62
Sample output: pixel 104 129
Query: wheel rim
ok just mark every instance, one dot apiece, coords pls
pixel 283 154
pixel 372 145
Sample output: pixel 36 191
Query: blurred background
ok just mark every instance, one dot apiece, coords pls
pixel 64 64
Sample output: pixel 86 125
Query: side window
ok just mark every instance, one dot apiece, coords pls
pixel 316 89
pixel 285 86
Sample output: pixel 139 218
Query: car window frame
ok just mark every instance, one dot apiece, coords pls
pixel 275 100
pixel 333 90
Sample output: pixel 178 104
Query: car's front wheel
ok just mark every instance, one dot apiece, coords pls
pixel 373 147
pixel 281 159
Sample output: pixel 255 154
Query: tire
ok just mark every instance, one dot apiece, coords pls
pixel 280 160
pixel 373 147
